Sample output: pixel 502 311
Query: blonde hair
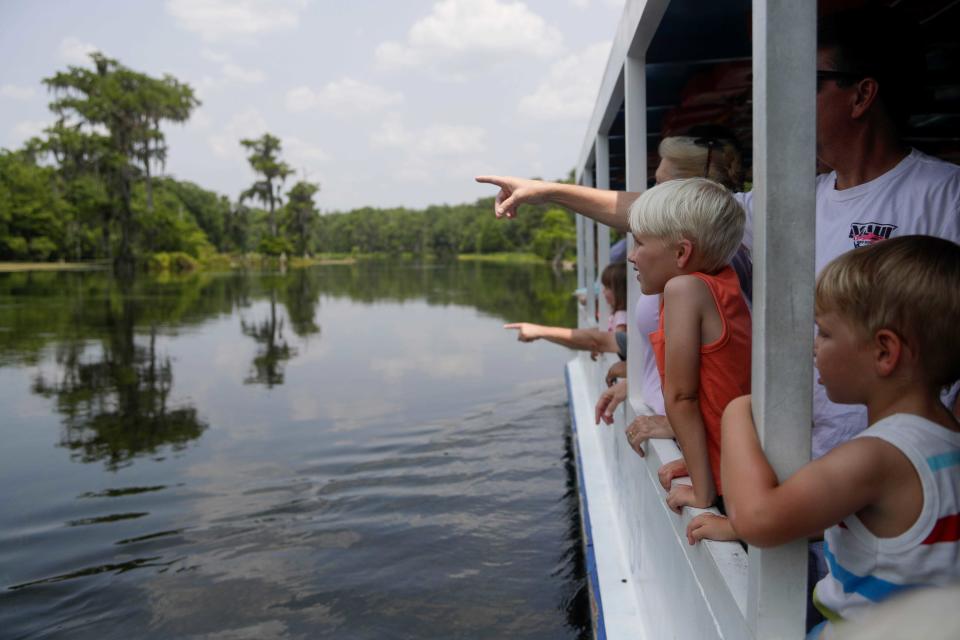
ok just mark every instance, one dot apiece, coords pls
pixel 696 209
pixel 689 155
pixel 909 285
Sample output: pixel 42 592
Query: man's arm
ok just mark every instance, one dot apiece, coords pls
pixel 607 207
pixel 682 319
pixel 582 339
pixel 820 494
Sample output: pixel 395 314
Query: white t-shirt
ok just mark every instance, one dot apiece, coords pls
pixel 921 195
pixel 646 316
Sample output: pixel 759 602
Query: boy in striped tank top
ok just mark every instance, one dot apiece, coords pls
pixel 888 501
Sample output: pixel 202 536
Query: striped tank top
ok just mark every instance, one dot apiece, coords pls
pixel 865 569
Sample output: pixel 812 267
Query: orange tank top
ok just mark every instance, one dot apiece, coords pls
pixel 724 363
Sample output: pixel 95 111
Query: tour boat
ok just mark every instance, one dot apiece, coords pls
pixel 751 66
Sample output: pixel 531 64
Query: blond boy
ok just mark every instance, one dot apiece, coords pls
pixel 889 499
pixel 685 232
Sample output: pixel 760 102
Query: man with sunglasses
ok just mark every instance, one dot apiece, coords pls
pixel 869 72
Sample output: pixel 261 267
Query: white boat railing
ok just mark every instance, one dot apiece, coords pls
pixel 713 589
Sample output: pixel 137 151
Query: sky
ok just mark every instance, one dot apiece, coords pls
pixel 384 103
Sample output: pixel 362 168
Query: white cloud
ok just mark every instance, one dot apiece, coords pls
pixel 446 139
pixel 199 120
pixel 433 140
pixel 300 154
pixel 217 19
pixel 24 130
pixel 249 123
pixel 428 153
pixel 16 92
pixel 230 72
pixel 214 56
pixel 391 133
pixel 233 71
pixel 585 4
pixel 459 28
pixel 343 97
pixel 570 88
pixel 75 51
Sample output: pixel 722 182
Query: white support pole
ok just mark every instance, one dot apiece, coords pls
pixel 590 262
pixel 602 153
pixel 581 264
pixel 635 126
pixel 784 77
pixel 603 231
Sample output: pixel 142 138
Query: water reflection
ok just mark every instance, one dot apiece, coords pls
pixel 115 398
pixel 112 385
pixel 273 349
pixel 358 452
pixel 40 308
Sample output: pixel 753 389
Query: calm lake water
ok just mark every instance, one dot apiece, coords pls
pixel 358 451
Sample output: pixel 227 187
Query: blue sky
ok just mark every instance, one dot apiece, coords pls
pixel 385 103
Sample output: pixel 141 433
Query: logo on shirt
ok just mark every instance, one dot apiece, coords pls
pixel 864 233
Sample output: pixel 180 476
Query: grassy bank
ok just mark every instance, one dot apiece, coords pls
pixel 183 263
pixel 511 258
pixel 6 267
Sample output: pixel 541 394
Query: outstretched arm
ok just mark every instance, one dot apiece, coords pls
pixel 582 339
pixel 607 207
pixel 766 513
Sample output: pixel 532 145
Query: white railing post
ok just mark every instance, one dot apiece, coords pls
pixel 635 130
pixel 784 57
pixel 603 231
pixel 602 176
pixel 590 258
pixel 581 264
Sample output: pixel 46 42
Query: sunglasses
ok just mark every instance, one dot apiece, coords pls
pixel 709 143
pixel 840 77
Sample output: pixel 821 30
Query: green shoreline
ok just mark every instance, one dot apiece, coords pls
pixel 226 262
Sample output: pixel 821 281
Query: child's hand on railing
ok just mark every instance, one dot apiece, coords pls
pixel 671 470
pixel 710 526
pixel 681 496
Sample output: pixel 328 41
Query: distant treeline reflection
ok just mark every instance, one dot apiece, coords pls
pixel 112 384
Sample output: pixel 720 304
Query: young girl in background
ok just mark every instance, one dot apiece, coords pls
pixel 614 281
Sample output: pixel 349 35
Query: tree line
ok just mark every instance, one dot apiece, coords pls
pixel 92 187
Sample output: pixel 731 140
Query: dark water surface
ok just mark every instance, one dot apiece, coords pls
pixel 352 451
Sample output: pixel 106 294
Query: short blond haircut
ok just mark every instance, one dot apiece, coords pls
pixel 695 209
pixel 909 285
